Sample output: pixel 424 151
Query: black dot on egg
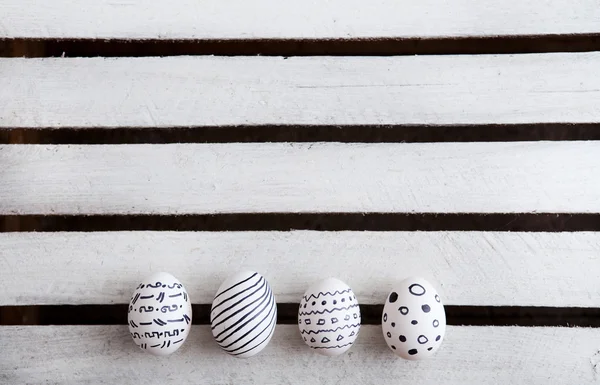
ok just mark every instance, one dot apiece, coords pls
pixel 384 317
pixel 438 338
pixel 426 308
pixel 422 339
pixel 393 347
pixel 141 287
pixel 180 306
pixel 334 302
pixel 402 339
pixel 324 303
pixel 429 349
pixel 416 289
pixel 350 298
pixel 164 286
pixel 412 352
pixel 343 299
pixel 305 306
pixel 403 310
pixel 393 324
pixel 436 323
pixel 182 330
pixel 389 334
pixel 393 297
pixel 414 322
pixel 437 298
pixel 314 303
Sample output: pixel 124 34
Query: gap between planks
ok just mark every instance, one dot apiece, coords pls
pixel 379 46
pixel 306 133
pixel 367 221
pixel 287 314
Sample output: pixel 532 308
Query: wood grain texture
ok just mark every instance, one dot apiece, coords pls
pixel 309 177
pixel 495 355
pixel 469 268
pixel 264 19
pixel 215 91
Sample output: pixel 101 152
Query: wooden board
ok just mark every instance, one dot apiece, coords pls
pixel 107 355
pixel 469 268
pixel 307 177
pixel 215 91
pixel 190 19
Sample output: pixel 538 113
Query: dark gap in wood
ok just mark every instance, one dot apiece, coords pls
pixel 309 133
pixel 302 47
pixel 306 221
pixel 288 313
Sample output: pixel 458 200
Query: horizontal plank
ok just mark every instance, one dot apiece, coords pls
pixel 469 268
pixel 310 177
pixel 216 91
pixel 495 355
pixel 265 19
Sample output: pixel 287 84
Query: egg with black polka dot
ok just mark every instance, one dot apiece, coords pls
pixel 413 319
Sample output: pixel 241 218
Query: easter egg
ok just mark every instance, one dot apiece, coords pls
pixel 243 314
pixel 329 317
pixel 414 320
pixel 159 314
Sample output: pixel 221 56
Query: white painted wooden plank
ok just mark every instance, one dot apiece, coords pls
pixel 307 177
pixel 203 91
pixel 239 19
pixel 469 356
pixel 469 268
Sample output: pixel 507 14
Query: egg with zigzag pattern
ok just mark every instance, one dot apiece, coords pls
pixel 329 317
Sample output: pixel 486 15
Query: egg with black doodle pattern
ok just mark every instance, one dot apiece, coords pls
pixel 329 317
pixel 413 319
pixel 159 314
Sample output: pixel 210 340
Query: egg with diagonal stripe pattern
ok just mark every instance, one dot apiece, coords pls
pixel 243 314
pixel 329 317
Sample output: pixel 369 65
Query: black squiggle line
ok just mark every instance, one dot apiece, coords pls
pixel 328 311
pixel 326 293
pixel 328 330
pixel 331 347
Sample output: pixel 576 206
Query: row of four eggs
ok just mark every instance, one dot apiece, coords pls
pixel 244 314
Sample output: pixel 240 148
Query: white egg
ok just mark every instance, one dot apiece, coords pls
pixel 329 317
pixel 414 320
pixel 160 314
pixel 243 314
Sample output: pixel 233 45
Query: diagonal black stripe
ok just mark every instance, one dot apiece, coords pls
pixel 396 133
pixel 288 315
pixel 270 303
pixel 265 296
pixel 269 334
pixel 273 310
pixel 261 279
pixel 232 306
pixel 547 222
pixel 236 285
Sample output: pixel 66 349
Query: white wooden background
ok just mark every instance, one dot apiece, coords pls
pixel 470 268
pixel 240 19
